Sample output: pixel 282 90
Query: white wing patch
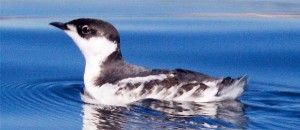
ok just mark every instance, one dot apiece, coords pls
pixel 144 79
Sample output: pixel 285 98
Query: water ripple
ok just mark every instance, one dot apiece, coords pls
pixel 276 102
pixel 49 97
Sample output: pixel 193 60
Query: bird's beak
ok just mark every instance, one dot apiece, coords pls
pixel 60 25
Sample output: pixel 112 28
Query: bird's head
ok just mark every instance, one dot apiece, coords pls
pixel 95 38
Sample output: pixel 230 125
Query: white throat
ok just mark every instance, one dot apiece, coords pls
pixel 95 51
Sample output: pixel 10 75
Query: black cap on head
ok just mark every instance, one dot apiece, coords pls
pixel 88 28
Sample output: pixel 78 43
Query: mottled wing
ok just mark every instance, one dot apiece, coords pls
pixel 190 76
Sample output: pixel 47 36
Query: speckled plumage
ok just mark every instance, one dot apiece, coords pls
pixel 110 80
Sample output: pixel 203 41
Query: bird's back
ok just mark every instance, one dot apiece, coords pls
pixel 135 83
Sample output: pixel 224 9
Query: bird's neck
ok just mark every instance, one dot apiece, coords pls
pixel 95 67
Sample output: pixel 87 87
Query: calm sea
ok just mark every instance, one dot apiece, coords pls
pixel 42 69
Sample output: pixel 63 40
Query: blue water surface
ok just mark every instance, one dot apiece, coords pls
pixel 42 69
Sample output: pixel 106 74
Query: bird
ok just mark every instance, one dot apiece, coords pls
pixel 110 80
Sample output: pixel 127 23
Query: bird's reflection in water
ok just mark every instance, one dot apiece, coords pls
pixel 155 114
pixel 99 117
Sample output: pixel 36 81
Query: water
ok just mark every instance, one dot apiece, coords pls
pixel 41 68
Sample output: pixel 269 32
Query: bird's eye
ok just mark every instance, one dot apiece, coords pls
pixel 86 29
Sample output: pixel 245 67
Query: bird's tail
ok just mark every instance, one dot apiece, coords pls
pixel 232 88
